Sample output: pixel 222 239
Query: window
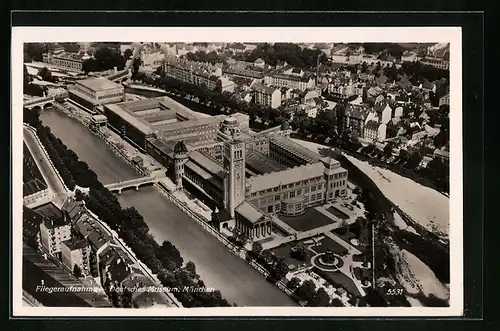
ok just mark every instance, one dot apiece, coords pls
pixel 277 207
pixel 299 191
pixel 277 198
pixel 306 190
pixel 313 188
pixel 292 194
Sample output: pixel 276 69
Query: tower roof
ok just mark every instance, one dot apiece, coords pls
pixel 180 147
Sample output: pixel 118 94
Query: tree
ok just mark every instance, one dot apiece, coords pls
pixel 293 283
pixel 46 75
pixel 388 149
pixel 344 227
pixel 306 291
pixel 127 54
pixel 256 248
pixel 300 252
pixel 77 271
pixel 320 299
pixel 403 155
pixel 279 270
pixel 413 160
pixel 191 268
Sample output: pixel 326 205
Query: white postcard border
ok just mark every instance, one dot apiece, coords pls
pixel 452 35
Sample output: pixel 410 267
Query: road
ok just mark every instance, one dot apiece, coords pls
pixel 54 183
pixel 58 190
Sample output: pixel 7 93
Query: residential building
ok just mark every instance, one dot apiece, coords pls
pixel 259 63
pixel 227 85
pixel 243 73
pixel 444 100
pixel 76 252
pixel 442 154
pixel 353 118
pixel 292 81
pixel 371 130
pixel 267 96
pixel 53 231
pixel 409 57
pixel 204 75
pixel 237 48
pixel 65 60
pixel 436 63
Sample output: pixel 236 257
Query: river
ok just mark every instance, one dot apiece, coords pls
pixel 219 268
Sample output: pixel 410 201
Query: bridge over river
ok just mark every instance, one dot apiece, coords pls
pixel 132 183
pixel 217 266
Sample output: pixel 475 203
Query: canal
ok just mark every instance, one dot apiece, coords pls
pixel 217 266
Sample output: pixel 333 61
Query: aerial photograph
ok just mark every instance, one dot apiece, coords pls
pixel 236 174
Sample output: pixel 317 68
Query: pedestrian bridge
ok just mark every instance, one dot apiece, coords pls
pixel 133 183
pixel 39 103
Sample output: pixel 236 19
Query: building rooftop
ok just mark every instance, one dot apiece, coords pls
pixel 292 175
pixel 73 208
pixel 261 163
pixel 52 213
pixel 33 186
pixel 299 149
pixel 249 212
pixel 210 165
pixel 289 77
pixel 244 73
pixel 98 84
pixel 129 118
pixel 191 123
pixel 263 88
pixel 74 244
pixel 31 222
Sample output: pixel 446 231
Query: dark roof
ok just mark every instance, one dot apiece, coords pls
pixel 223 215
pixel 261 163
pixel 296 70
pixel 33 186
pixel 31 222
pixel 118 268
pixel 180 147
pixel 372 125
pixel 74 244
pixel 53 216
pixel 264 89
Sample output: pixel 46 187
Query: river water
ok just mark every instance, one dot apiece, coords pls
pixel 219 268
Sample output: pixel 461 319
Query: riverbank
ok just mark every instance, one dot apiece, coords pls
pixel 245 285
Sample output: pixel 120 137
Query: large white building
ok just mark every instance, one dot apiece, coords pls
pixel 96 91
pixel 292 81
pixel 53 232
pixel 266 96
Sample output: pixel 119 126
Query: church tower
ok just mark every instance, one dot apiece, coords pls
pixel 234 182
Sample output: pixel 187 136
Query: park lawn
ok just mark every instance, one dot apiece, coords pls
pixel 329 244
pixel 337 279
pixel 284 252
pixel 334 211
pixel 310 220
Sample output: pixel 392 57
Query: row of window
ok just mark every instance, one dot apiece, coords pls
pixel 109 96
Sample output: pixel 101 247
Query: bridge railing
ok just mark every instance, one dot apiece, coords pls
pixel 38 100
